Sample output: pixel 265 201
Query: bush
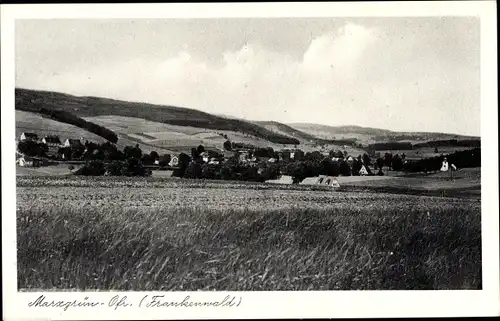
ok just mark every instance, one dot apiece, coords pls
pixel 93 168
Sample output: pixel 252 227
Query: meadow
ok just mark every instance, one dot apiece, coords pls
pixel 145 234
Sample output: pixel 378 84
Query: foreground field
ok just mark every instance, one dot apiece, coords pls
pixel 167 234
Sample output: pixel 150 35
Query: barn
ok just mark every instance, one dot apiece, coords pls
pixel 321 180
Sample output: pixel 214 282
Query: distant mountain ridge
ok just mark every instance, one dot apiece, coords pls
pixel 371 135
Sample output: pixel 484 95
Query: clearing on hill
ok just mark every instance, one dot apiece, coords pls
pixel 42 126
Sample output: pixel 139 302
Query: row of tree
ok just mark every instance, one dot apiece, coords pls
pixel 69 118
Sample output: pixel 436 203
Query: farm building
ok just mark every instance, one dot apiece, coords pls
pixel 51 141
pixel 444 166
pixel 363 171
pixel 73 143
pixel 29 162
pixel 321 180
pixel 28 136
pixel 174 161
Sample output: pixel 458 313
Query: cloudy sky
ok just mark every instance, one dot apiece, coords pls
pixel 405 74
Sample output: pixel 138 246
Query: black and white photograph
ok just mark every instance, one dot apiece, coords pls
pixel 248 154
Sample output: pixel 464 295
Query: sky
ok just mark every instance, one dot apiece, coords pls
pixel 402 74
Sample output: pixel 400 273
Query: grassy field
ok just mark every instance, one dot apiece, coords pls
pixel 170 234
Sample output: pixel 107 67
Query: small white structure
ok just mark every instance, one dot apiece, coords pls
pixel 271 160
pixel 157 162
pixel 292 155
pixel 444 166
pixel 174 161
pixel 363 171
pixel 27 162
pixel 453 167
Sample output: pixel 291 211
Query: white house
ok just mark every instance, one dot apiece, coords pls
pixel 28 136
pixel 174 161
pixel 363 171
pixel 444 166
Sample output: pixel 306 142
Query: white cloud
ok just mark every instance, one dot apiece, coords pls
pixel 343 77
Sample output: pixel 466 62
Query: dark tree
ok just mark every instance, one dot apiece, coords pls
pixel 227 145
pixel 200 149
pixel 380 163
pixel 329 167
pixel 147 159
pixel 184 161
pixel 366 160
pixel 388 160
pixel 344 168
pixel 154 155
pixel 397 163
pixel 30 148
pixel 356 167
pixel 164 160
pixel 194 154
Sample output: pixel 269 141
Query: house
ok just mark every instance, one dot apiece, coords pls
pixel 214 161
pixel 51 141
pixel 444 166
pixel 272 160
pixel 243 155
pixel 72 143
pixel 28 136
pixel 28 162
pixel 174 161
pixel 363 171
pixel 25 162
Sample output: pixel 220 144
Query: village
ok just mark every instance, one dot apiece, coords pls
pixel 35 151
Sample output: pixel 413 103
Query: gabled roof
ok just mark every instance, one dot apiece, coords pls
pixel 52 139
pixel 74 141
pixel 30 135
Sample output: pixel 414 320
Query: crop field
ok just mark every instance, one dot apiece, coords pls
pixel 149 234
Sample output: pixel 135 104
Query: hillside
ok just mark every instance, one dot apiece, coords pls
pixel 166 138
pixel 42 126
pixel 368 135
pixel 93 106
pixel 286 130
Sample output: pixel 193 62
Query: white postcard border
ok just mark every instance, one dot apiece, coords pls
pixel 264 304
